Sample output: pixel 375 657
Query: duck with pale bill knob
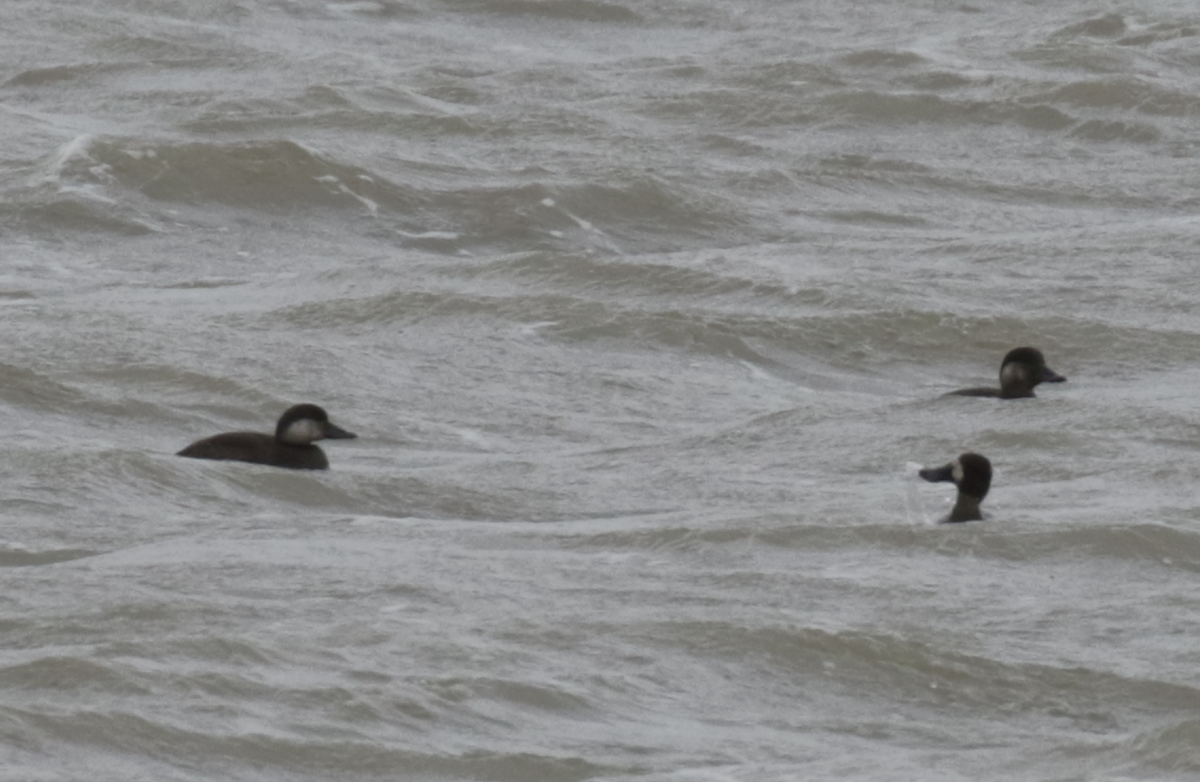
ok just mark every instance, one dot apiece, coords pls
pixel 972 474
pixel 291 446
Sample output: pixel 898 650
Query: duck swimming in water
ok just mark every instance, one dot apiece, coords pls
pixel 291 446
pixel 1021 370
pixel 972 474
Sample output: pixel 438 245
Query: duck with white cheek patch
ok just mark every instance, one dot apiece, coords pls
pixel 291 446
pixel 972 474
pixel 1021 370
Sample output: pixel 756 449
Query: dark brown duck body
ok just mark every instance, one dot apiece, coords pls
pixel 259 449
pixel 1021 370
pixel 290 447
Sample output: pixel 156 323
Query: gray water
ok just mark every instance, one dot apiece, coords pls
pixel 642 312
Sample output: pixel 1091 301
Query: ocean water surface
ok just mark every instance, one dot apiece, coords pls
pixel 642 313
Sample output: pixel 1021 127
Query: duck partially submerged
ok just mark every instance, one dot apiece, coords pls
pixel 1021 370
pixel 972 474
pixel 291 446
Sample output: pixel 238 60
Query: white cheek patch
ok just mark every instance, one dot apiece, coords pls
pixel 1012 373
pixel 957 472
pixel 302 432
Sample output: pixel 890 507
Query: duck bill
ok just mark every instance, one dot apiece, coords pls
pixel 938 474
pixel 1050 376
pixel 334 432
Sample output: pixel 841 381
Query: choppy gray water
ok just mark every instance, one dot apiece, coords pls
pixel 641 312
